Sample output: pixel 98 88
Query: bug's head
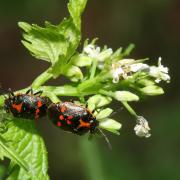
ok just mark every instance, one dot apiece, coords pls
pixel 8 103
pixel 93 125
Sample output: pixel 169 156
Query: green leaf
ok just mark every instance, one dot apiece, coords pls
pixel 9 152
pixel 46 43
pixel 76 8
pixel 55 44
pixel 28 144
pixel 2 171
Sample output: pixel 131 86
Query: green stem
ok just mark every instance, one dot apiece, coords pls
pixel 61 90
pixel 129 108
pixel 93 69
pixel 41 79
pixel 107 93
pixel 51 96
pixel 92 161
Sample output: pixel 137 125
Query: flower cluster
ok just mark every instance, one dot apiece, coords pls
pixel 126 67
pixel 136 74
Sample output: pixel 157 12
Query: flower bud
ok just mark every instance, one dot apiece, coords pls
pixel 125 96
pixel 104 113
pixel 81 60
pixel 110 125
pixel 74 73
pixel 98 101
pixel 152 90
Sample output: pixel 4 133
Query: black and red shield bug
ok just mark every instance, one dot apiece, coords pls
pixel 29 105
pixel 74 118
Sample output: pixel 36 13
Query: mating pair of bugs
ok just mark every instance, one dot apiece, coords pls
pixel 65 115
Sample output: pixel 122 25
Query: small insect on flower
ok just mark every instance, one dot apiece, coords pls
pixel 74 118
pixel 29 105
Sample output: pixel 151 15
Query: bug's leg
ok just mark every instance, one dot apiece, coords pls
pixel 106 138
pixel 86 105
pixel 10 92
pixel 38 93
pixel 29 91
pixel 71 100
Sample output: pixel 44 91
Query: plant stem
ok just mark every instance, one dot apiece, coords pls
pixel 93 69
pixel 41 79
pixel 107 93
pixel 91 159
pixel 130 110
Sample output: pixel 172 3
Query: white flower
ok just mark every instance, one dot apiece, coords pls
pixel 142 128
pixel 138 67
pixel 160 72
pixel 92 51
pixel 95 52
pixel 117 71
pixel 125 67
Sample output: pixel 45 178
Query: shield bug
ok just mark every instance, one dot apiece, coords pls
pixel 29 105
pixel 74 118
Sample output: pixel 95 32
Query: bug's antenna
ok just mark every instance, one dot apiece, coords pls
pixel 10 92
pixel 106 138
pixel 2 92
pixel 115 112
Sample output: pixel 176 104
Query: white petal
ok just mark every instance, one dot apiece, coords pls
pixel 138 67
pixel 142 128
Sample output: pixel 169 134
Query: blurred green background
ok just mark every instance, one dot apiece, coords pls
pixel 154 26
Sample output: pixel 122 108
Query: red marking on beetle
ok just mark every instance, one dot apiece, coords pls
pixel 61 117
pixel 70 117
pixel 18 107
pixel 58 123
pixel 37 113
pixel 63 109
pixel 39 104
pixel 69 122
pixel 83 124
